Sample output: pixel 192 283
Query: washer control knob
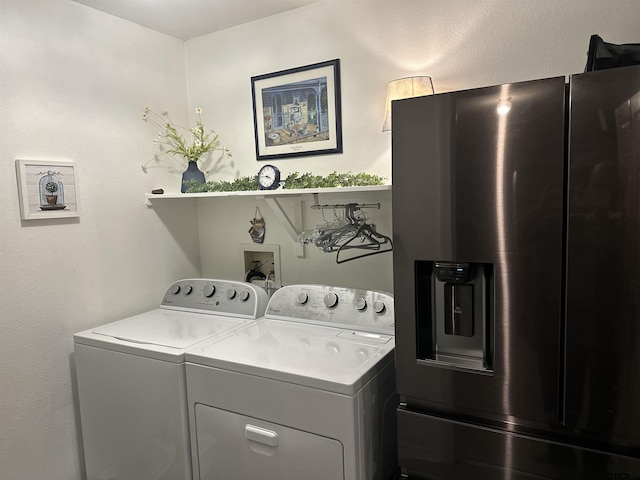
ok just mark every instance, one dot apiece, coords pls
pixel 379 306
pixel 331 300
pixel 302 298
pixel 244 295
pixel 360 303
pixel 175 289
pixel 209 290
pixel 188 289
pixel 231 293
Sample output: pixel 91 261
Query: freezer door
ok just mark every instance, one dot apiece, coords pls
pixel 478 178
pixel 603 282
pixel 462 451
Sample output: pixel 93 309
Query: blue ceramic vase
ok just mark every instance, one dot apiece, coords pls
pixel 191 173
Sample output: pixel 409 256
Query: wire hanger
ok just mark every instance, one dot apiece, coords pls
pixel 376 243
pixel 343 233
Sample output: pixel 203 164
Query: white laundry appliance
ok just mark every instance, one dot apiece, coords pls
pixel 307 392
pixel 131 378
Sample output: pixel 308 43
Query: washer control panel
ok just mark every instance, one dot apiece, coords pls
pixel 367 310
pixel 223 297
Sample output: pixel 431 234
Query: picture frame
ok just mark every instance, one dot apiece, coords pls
pixel 47 189
pixel 297 112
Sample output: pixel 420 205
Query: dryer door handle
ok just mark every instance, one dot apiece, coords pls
pixel 261 435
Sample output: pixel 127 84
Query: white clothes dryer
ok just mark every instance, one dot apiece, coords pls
pixel 307 392
pixel 131 378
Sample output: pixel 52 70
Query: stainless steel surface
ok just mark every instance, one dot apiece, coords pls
pixel 463 451
pixel 540 182
pixel 482 185
pixel 603 280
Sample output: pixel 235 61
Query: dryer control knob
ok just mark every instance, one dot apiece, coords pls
pixel 209 290
pixel 379 306
pixel 188 289
pixel 244 295
pixel 302 298
pixel 331 300
pixel 175 289
pixel 231 293
pixel 360 303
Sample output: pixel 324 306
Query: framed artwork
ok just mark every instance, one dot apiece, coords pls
pixel 297 112
pixel 47 189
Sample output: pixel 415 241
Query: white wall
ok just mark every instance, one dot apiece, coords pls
pixel 224 224
pixel 74 83
pixel 461 44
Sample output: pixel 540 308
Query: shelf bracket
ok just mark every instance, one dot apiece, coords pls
pixel 286 222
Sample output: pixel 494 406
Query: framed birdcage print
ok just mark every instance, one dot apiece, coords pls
pixel 297 112
pixel 47 189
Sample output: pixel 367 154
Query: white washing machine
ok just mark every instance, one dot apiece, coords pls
pixel 131 378
pixel 307 392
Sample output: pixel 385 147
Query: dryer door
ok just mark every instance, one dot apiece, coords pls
pixel 240 447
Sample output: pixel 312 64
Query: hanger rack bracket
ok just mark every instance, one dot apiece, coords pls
pixel 286 222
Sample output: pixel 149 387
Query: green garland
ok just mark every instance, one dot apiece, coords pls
pixel 293 181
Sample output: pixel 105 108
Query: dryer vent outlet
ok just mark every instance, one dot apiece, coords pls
pixel 261 266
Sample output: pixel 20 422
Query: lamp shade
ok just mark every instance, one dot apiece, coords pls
pixel 405 88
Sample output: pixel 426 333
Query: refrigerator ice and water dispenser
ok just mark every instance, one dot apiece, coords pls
pixel 455 320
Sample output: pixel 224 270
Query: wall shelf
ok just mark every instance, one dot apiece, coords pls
pixel 270 196
pixel 151 198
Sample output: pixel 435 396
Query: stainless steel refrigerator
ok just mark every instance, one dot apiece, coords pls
pixel 516 225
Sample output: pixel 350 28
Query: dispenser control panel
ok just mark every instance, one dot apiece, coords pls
pixel 453 272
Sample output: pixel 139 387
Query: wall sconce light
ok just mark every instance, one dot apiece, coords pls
pixel 405 88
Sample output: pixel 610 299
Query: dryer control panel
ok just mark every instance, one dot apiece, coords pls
pixel 366 310
pixel 216 296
